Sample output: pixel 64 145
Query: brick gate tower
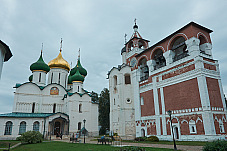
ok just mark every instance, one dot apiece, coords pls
pixel 179 74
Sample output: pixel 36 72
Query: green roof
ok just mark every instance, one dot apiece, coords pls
pixel 80 68
pixel 77 77
pixel 30 115
pixel 40 65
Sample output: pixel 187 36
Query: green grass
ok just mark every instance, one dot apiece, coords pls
pixel 60 146
pixel 187 143
pixel 5 143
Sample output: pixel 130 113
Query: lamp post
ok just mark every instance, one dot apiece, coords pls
pixel 170 112
pixel 84 130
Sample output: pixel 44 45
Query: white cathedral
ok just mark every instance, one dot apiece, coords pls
pixel 61 105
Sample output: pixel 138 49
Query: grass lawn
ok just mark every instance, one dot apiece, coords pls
pixel 5 143
pixel 187 143
pixel 60 146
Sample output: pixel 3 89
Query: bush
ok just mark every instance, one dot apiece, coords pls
pixel 153 139
pixel 140 138
pixel 218 145
pixel 31 137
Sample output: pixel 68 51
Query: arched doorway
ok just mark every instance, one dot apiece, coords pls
pixel 176 133
pixel 142 133
pixel 57 128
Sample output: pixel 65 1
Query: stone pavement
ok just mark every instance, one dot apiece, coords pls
pixel 179 147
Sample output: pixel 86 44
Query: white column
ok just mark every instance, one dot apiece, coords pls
pixel 193 46
pixel 168 56
pixel 163 112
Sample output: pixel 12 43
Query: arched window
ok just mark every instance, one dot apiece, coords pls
pixel 79 126
pixel 179 48
pixel 59 78
pixel 144 70
pixel 78 90
pixel 159 59
pixel 80 108
pixel 115 81
pixel 221 126
pixel 39 77
pixel 22 128
pixel 51 78
pixel 36 126
pixel 127 79
pixel 33 107
pixel 54 107
pixel 8 128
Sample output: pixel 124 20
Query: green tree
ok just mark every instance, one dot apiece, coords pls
pixel 95 97
pixel 104 111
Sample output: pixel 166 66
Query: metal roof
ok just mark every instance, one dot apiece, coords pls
pixel 30 115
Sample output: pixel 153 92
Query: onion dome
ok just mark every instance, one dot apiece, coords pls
pixel 79 67
pixel 70 79
pixel 40 65
pixel 30 78
pixel 59 62
pixel 135 26
pixel 77 77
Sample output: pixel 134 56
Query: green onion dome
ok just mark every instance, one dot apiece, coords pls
pixel 77 77
pixel 70 79
pixel 30 78
pixel 82 71
pixel 40 65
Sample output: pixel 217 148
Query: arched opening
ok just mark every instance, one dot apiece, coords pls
pixel 202 40
pixel 142 132
pixel 115 83
pixel 130 46
pixel 22 128
pixel 127 79
pixel 159 59
pixel 179 48
pixel 141 44
pixel 57 128
pixel 192 127
pixel 54 107
pixel 144 70
pixel 36 126
pixel 8 128
pixel 79 126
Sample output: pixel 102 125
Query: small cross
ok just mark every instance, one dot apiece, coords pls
pixel 42 48
pixel 61 44
pixel 125 38
pixel 135 21
pixel 79 54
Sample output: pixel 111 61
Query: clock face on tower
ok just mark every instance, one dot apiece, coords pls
pixel 133 62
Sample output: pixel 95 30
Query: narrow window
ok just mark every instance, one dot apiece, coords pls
pixel 141 101
pixel 78 89
pixel 65 80
pixel 80 108
pixel 221 126
pixel 54 107
pixel 59 78
pixel 51 77
pixel 114 101
pixel 36 126
pixel 39 77
pixel 22 128
pixel 192 127
pixel 33 107
pixel 8 128
pixel 127 79
pixel 79 126
pixel 115 81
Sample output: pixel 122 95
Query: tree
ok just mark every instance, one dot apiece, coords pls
pixel 95 97
pixel 104 111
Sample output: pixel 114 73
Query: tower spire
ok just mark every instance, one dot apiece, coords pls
pixel 61 45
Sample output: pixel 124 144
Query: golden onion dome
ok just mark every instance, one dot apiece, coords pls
pixel 59 62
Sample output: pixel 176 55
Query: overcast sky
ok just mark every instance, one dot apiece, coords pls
pixel 97 27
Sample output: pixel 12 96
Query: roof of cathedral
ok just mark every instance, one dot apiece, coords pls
pixel 77 77
pixel 82 71
pixel 59 62
pixel 40 65
pixel 30 115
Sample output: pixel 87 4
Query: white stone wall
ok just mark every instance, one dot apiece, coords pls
pixel 54 75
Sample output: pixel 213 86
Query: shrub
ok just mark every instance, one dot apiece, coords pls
pixel 31 137
pixel 140 138
pixel 153 139
pixel 218 145
pixel 115 134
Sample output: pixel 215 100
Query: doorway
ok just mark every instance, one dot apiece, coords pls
pixel 176 133
pixel 57 128
pixel 142 133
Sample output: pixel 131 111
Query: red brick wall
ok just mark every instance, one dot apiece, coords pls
pixel 151 129
pixel 148 108
pixel 214 92
pixel 184 127
pixel 184 95
pixel 210 67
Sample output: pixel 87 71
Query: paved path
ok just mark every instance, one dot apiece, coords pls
pixel 179 147
pixel 12 146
